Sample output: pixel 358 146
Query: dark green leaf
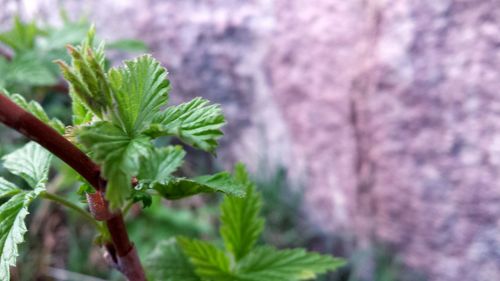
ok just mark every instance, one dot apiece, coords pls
pixel 240 221
pixel 168 263
pixel 210 262
pixel 177 188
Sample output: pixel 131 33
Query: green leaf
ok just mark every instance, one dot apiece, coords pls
pixel 29 69
pixel 22 35
pixel 7 188
pixel 119 155
pixel 196 123
pixel 161 162
pixel 167 262
pixel 210 262
pixel 12 229
pixel 240 221
pixel 177 188
pixel 140 88
pixel 267 263
pixel 128 45
pixel 31 162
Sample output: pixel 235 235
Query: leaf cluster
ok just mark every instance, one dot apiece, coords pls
pixel 117 115
pixel 184 259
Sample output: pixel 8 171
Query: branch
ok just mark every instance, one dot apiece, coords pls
pixel 18 119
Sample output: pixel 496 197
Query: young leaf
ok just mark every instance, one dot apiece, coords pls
pixel 12 229
pixel 119 155
pixel 210 262
pixel 167 262
pixel 139 89
pixel 196 123
pixel 177 188
pixel 267 263
pixel 7 188
pixel 31 162
pixel 240 221
pixel 161 162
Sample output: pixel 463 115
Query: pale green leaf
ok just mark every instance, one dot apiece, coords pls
pixel 210 262
pixel 119 155
pixel 167 262
pixel 161 162
pixel 29 69
pixel 240 221
pixel 22 35
pixel 267 263
pixel 7 188
pixel 12 229
pixel 139 89
pixel 196 123
pixel 177 188
pixel 31 162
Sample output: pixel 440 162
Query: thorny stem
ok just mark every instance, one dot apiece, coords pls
pixel 72 206
pixel 126 258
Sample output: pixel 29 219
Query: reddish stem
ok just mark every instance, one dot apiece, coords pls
pixel 18 119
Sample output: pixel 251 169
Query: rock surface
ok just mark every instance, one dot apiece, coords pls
pixel 388 109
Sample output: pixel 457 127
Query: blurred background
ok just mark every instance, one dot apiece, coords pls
pixel 371 126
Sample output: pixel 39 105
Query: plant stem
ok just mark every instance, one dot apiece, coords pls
pixel 71 205
pixel 123 252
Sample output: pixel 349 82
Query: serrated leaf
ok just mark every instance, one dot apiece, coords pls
pixel 167 262
pixel 240 221
pixel 31 162
pixel 139 88
pixel 196 123
pixel 7 188
pixel 210 262
pixel 119 155
pixel 161 162
pixel 29 69
pixel 267 263
pixel 177 188
pixel 12 229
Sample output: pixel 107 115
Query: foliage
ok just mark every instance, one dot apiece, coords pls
pixel 118 114
pixel 240 228
pixel 31 163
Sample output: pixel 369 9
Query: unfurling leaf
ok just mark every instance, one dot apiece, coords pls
pixel 139 88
